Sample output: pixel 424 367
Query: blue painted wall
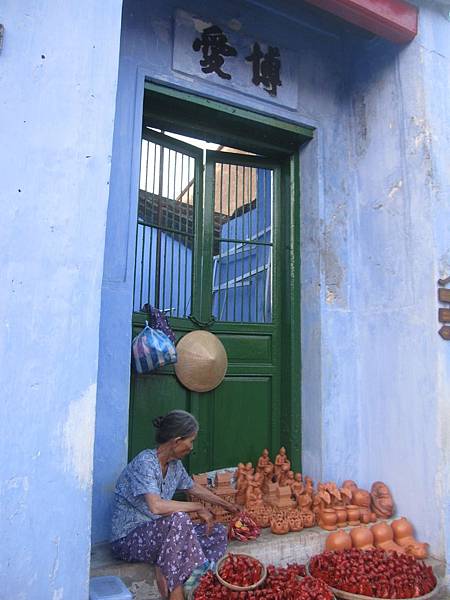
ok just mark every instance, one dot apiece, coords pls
pixel 58 77
pixel 374 240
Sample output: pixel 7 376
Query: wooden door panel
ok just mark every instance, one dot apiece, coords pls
pixel 152 395
pixel 247 347
pixel 241 423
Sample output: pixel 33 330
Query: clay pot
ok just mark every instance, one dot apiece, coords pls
pixel 362 538
pixel 403 536
pixel 353 514
pixel 383 536
pixel 295 524
pixel 279 526
pixel 338 540
pixel 328 519
pixel 341 513
pixel 309 519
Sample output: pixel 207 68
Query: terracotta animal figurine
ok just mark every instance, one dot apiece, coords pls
pixel 382 502
pixel 362 538
pixel 383 536
pixel 338 540
pixel 403 536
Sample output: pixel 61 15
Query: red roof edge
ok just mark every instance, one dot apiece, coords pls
pixel 395 20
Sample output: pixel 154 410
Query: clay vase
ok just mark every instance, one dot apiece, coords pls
pixel 279 526
pixel 328 519
pixel 383 536
pixel 364 515
pixel 341 513
pixel 309 519
pixel 338 540
pixel 403 536
pixel 353 514
pixel 362 538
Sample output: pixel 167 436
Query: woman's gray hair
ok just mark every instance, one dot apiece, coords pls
pixel 177 423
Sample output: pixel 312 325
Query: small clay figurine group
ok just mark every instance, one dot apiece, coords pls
pixel 274 495
pixel 394 537
pixel 350 505
pixel 277 497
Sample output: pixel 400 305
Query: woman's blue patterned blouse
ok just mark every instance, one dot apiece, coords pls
pixel 143 475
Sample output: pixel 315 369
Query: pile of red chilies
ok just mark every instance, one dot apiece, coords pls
pixel 240 570
pixel 243 528
pixel 280 584
pixel 374 573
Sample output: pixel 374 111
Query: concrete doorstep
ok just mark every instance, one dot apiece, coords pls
pixel 269 548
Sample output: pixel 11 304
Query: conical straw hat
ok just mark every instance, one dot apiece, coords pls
pixel 202 361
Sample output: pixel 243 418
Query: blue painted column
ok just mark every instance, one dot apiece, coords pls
pixel 58 86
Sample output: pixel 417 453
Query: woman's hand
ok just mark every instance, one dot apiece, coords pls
pixel 233 508
pixel 207 517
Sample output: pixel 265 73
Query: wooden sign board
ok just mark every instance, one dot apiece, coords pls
pixel 444 315
pixel 444 332
pixel 444 295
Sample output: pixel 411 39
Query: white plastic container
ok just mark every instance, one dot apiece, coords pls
pixel 108 588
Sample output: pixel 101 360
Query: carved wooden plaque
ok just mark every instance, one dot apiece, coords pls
pixel 444 332
pixel 444 315
pixel 444 295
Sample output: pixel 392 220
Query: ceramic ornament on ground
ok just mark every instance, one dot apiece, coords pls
pixel 202 361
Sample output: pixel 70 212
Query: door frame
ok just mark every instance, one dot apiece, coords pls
pixel 282 139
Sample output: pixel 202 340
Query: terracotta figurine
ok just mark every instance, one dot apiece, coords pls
pixel 382 502
pixel 403 536
pixel 338 540
pixel 383 536
pixel 281 460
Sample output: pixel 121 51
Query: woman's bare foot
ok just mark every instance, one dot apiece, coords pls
pixel 177 593
pixel 161 583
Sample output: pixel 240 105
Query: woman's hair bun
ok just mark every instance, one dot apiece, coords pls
pixel 157 422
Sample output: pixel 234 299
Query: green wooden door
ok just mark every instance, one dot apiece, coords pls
pixel 211 250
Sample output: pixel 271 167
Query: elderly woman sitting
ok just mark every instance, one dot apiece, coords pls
pixel 149 526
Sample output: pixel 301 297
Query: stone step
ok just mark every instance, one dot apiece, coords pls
pixel 269 548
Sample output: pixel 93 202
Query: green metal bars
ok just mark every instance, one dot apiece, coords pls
pixel 242 260
pixel 165 236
